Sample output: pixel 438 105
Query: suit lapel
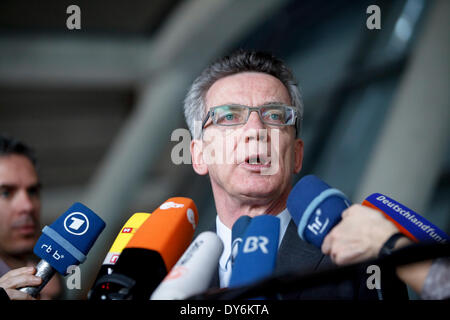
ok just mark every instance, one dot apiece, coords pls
pixel 294 254
pixel 215 281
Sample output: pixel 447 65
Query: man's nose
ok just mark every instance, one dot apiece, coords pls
pixel 24 203
pixel 253 127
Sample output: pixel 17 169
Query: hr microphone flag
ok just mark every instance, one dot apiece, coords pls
pixel 315 208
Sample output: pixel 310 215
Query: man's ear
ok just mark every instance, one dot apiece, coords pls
pixel 298 155
pixel 198 162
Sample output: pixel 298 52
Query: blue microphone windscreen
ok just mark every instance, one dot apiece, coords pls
pixel 407 221
pixel 239 227
pixel 257 254
pixel 68 240
pixel 315 208
pixel 237 232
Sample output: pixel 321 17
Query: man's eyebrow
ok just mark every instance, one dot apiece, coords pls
pixel 37 185
pixel 270 103
pixel 7 186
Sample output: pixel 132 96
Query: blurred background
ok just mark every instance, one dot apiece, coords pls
pixel 99 104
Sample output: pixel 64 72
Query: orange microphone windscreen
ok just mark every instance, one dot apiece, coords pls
pixel 168 230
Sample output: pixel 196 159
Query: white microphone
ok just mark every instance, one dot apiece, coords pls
pixel 193 272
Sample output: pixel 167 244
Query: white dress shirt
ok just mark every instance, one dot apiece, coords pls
pixel 224 234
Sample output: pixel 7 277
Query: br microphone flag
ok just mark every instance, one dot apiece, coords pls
pixel 237 232
pixel 66 242
pixel 257 255
pixel 411 224
pixel 151 253
pixel 193 272
pixel 315 208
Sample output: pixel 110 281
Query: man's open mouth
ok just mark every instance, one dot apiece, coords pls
pixel 257 160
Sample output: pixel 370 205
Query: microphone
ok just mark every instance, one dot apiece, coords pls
pixel 193 271
pixel 64 243
pixel 315 208
pixel 151 252
pixel 257 255
pixel 407 221
pixel 126 233
pixel 293 281
pixel 237 232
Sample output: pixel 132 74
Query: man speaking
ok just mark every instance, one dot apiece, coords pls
pixel 244 112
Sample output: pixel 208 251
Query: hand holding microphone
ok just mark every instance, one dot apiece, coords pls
pixel 356 232
pixel 359 235
pixel 18 278
pixel 365 229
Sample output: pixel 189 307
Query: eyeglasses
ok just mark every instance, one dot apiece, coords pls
pixel 234 115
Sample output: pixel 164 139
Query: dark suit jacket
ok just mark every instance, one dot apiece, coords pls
pixel 296 255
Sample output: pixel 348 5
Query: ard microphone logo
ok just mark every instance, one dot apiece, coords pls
pixel 76 223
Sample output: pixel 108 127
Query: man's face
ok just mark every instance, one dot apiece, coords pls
pixel 19 205
pixel 241 178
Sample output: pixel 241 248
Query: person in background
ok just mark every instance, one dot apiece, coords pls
pixel 20 209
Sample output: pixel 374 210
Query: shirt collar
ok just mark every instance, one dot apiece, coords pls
pixel 224 234
pixel 285 218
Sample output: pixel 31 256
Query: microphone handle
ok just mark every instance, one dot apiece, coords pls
pixel 44 271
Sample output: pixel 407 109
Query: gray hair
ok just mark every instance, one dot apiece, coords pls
pixel 237 62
